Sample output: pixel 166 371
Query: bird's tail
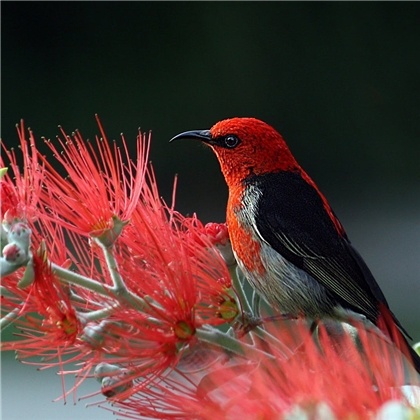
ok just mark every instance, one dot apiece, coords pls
pixel 389 324
pixel 415 358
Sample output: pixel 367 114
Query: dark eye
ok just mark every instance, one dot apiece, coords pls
pixel 231 141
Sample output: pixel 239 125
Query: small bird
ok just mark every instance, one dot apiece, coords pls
pixel 285 236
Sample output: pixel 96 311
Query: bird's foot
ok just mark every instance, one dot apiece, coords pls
pixel 248 322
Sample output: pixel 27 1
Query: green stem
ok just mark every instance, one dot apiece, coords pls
pixel 256 303
pixel 239 289
pixel 6 292
pixel 119 288
pixel 122 296
pixel 99 314
pixel 71 277
pixel 111 262
pixel 9 318
pixel 229 343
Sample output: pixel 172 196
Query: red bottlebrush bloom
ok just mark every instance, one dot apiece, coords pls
pixel 140 346
pixel 183 285
pixel 217 233
pixel 20 190
pixel 58 325
pixel 102 187
pixel 323 379
pixel 172 284
pixel 215 288
pixel 187 280
pixel 146 345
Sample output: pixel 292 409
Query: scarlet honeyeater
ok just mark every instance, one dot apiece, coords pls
pixel 285 236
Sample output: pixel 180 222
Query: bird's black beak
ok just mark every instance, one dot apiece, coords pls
pixel 203 135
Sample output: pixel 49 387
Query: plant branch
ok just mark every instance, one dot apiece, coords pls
pixel 229 343
pixel 70 277
pixel 119 288
pixel 9 318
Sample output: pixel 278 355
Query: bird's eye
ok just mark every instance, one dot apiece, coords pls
pixel 231 141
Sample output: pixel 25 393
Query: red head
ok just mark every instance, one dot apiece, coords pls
pixel 245 146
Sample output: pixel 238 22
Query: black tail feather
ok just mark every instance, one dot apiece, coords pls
pixel 390 325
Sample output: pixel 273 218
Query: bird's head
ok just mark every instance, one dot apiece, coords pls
pixel 244 147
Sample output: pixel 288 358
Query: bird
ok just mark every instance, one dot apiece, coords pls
pixel 286 238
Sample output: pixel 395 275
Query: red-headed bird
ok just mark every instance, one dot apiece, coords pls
pixel 286 238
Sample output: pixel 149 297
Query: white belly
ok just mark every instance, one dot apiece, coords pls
pixel 288 287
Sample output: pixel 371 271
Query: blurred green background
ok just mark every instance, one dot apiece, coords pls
pixel 341 81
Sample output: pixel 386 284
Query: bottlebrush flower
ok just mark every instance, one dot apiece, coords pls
pixel 58 325
pixel 189 281
pixel 102 186
pixel 324 378
pixel 20 185
pixel 217 234
pixel 155 285
pixel 216 290
pixel 183 285
pixel 21 188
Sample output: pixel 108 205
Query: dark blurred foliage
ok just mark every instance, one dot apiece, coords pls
pixel 340 80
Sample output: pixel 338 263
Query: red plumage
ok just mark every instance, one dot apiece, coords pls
pixel 286 238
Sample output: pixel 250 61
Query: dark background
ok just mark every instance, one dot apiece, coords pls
pixel 341 81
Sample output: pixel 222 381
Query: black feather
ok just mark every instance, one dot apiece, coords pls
pixel 292 218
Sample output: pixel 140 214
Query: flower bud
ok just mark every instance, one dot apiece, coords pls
pixel 19 233
pixel 105 369
pixel 107 237
pixel 94 334
pixel 112 379
pixel 15 254
pixel 219 236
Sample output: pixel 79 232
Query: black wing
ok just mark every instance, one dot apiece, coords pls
pixel 292 218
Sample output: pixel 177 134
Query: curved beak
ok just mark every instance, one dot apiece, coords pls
pixel 203 135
